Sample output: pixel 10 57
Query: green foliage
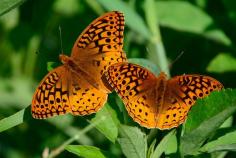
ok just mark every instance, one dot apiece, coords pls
pixel 12 120
pixel 155 33
pixel 223 142
pixel 6 6
pixel 164 145
pixel 88 151
pixel 109 127
pixel 133 142
pixel 223 62
pixel 189 18
pixel 205 117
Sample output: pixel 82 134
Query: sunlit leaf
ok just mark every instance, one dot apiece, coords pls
pixel 225 142
pixel 13 120
pixel 223 62
pixel 109 126
pixel 184 16
pixel 132 141
pixel 88 151
pixel 7 5
pixel 132 18
pixel 163 145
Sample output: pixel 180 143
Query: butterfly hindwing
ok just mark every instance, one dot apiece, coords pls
pixel 63 91
pixel 45 103
pixel 181 94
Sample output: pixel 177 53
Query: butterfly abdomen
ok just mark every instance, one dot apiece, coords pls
pixel 159 91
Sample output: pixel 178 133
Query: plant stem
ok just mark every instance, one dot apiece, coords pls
pixel 61 148
pixel 156 48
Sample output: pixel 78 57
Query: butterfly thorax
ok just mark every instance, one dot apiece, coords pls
pixel 75 68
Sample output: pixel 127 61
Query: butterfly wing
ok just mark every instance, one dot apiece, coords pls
pixel 100 45
pixel 62 91
pixel 136 87
pixel 181 94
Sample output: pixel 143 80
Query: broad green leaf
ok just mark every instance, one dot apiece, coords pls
pixel 10 20
pixel 205 117
pixel 163 145
pixel 88 151
pixel 132 141
pixel 180 17
pixel 145 63
pixel 226 142
pixel 223 62
pixel 108 127
pixel 132 18
pixel 14 119
pixel 172 145
pixel 7 5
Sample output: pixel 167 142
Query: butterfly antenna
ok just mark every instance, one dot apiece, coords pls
pixel 177 58
pixel 61 40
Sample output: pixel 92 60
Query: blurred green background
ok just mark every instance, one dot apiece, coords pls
pixel 159 31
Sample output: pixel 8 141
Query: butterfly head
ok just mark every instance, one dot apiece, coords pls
pixel 162 75
pixel 64 59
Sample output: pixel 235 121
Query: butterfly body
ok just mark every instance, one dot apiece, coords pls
pixel 76 86
pixel 158 102
pixel 75 67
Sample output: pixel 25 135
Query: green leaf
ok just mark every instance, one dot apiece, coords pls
pixel 145 63
pixel 132 18
pixel 88 151
pixel 7 5
pixel 151 148
pixel 205 117
pixel 223 62
pixel 163 145
pixel 225 142
pixel 180 17
pixel 14 119
pixel 132 141
pixel 66 7
pixel 172 144
pixel 51 65
pixel 108 127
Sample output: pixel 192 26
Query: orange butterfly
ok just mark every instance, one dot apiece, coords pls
pixel 76 87
pixel 156 102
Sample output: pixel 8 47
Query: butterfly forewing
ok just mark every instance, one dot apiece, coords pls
pixel 100 45
pixel 103 35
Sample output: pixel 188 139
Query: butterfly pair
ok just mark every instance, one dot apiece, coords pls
pixel 98 65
